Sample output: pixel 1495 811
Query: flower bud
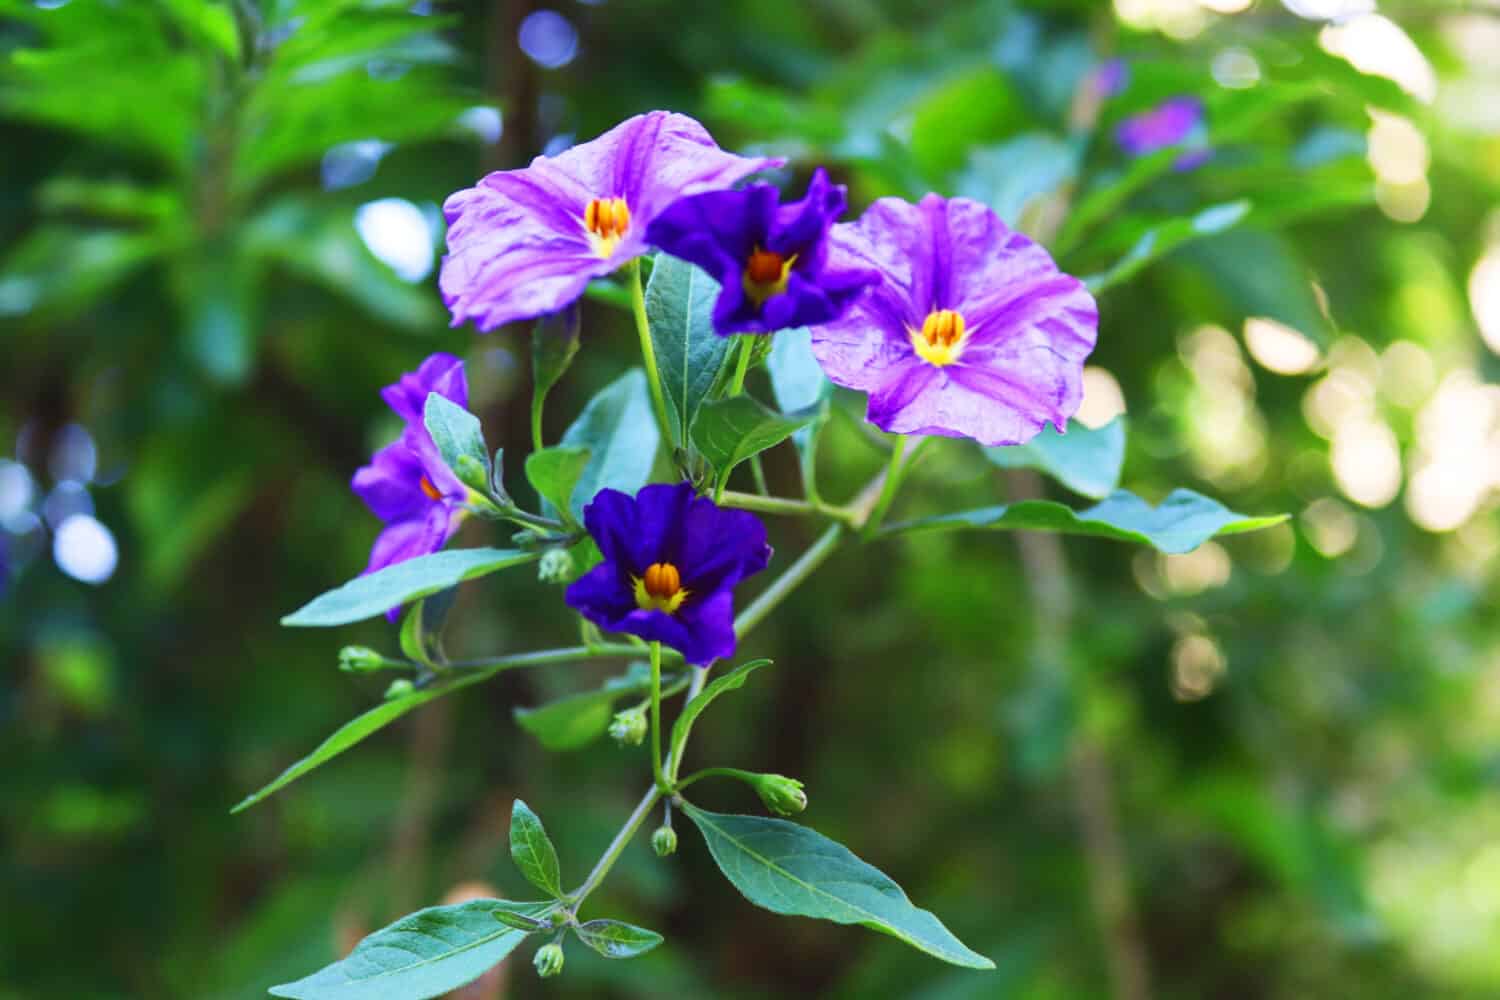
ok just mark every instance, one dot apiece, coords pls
pixel 664 841
pixel 471 473
pixel 782 795
pixel 556 566
pixel 361 659
pixel 399 689
pixel 629 727
pixel 548 960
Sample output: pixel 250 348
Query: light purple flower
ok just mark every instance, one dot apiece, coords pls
pixel 525 243
pixel 971 332
pixel 1173 122
pixel 770 259
pixel 407 484
pixel 1108 79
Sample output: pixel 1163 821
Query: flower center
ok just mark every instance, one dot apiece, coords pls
pixel 606 219
pixel 766 274
pixel 941 339
pixel 432 491
pixel 660 588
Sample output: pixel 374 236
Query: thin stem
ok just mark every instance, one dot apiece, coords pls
pixel 648 349
pixel 616 847
pixel 741 365
pixel 656 772
pixel 700 678
pixel 546 657
pixel 537 399
pixel 784 505
pixel 717 772
pixel 888 491
pixel 788 581
pixel 758 472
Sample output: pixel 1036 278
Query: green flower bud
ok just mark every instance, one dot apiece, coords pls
pixel 664 841
pixel 471 473
pixel 361 659
pixel 630 726
pixel 556 566
pixel 399 689
pixel 782 795
pixel 548 960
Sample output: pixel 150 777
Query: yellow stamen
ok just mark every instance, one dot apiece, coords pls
pixel 659 588
pixel 941 339
pixel 766 274
pixel 431 490
pixel 606 220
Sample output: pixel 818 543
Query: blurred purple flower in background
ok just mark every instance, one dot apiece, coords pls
pixel 770 259
pixel 1108 79
pixel 671 562
pixel 972 331
pixel 526 243
pixel 1174 122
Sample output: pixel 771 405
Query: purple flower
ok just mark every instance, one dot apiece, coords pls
pixel 1108 79
pixel 972 331
pixel 1171 123
pixel 407 485
pixel 770 259
pixel 671 563
pixel 525 243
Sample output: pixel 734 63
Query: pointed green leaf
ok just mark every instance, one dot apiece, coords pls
pixel 554 474
pixel 1159 240
pixel 616 939
pixel 456 433
pixel 422 955
pixel 790 869
pixel 526 917
pixel 577 720
pixel 378 592
pixel 619 430
pixel 689 354
pixel 1183 521
pixel 1085 460
pixel 731 430
pixel 732 681
pixel 532 851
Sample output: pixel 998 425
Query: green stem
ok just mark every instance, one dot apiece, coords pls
pixel 616 847
pixel 537 399
pixel 741 365
pixel 759 473
pixel 784 505
pixel 788 581
pixel 717 772
pixel 888 491
pixel 648 350
pixel 657 773
pixel 547 657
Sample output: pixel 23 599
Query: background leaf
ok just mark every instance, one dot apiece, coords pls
pixel 731 430
pixel 554 474
pixel 1086 460
pixel 619 430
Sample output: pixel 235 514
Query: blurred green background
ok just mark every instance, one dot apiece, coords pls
pixel 1265 769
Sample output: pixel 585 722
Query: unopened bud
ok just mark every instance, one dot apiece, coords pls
pixel 664 841
pixel 399 689
pixel 782 795
pixel 361 659
pixel 629 727
pixel 471 472
pixel 548 960
pixel 556 566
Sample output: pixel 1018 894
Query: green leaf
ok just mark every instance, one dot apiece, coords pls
pixel 616 939
pixel 532 851
pixel 456 432
pixel 793 870
pixel 732 681
pixel 731 430
pixel 1159 240
pixel 424 954
pixel 1184 521
pixel 554 474
pixel 378 592
pixel 689 354
pixel 1085 460
pixel 619 430
pixel 523 916
pixel 579 719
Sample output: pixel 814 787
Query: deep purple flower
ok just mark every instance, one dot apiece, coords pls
pixel 671 563
pixel 1173 122
pixel 972 331
pixel 525 243
pixel 770 259
pixel 407 485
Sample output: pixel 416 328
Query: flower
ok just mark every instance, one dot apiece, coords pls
pixel 971 332
pixel 1171 123
pixel 671 563
pixel 1109 78
pixel 770 259
pixel 407 485
pixel 525 243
